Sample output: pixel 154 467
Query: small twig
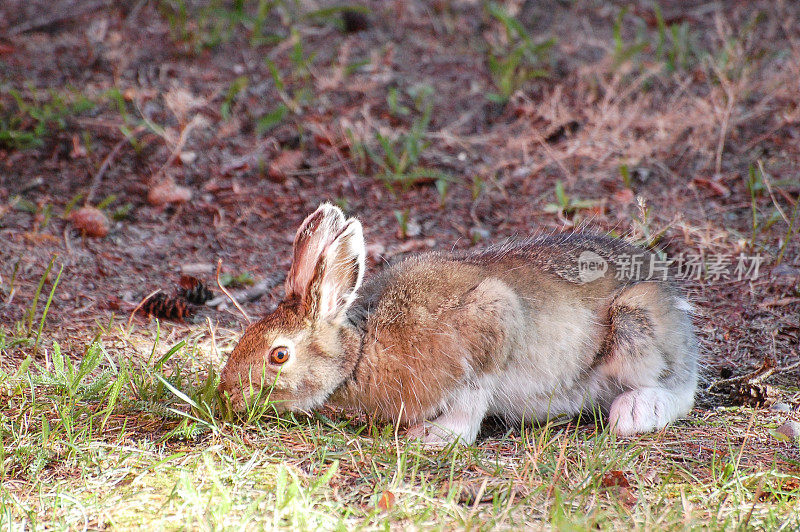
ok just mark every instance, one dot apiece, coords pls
pixel 142 302
pixel 102 170
pixel 214 350
pixel 747 434
pixel 551 154
pixel 767 368
pixel 184 137
pixel 723 131
pixel 397 437
pixel 67 245
pixel 762 376
pixel 730 96
pixel 559 463
pixel 335 148
pixel 33 183
pixel 135 11
pixel 250 294
pixel 67 12
pixel 230 296
pixel 789 367
pixel 512 495
pixel 782 302
pixel 765 178
pixel 756 497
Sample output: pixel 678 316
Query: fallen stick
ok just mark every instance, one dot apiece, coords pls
pixel 68 12
pixel 227 293
pixel 251 294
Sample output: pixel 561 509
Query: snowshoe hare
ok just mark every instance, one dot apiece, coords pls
pixel 523 330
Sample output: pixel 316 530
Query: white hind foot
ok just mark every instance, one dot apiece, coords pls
pixel 646 409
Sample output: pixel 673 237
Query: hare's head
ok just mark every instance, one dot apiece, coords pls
pixel 301 352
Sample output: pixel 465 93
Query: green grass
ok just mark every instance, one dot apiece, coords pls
pixel 566 205
pixel 673 45
pixel 397 158
pixel 127 433
pixel 29 117
pixel 129 437
pixel 210 24
pixel 515 58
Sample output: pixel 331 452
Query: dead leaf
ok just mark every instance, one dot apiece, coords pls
pixel 90 221
pixel 471 493
pixel 790 431
pixel 386 502
pixel 624 196
pixel 618 487
pixel 285 163
pixel 627 497
pixel 714 186
pixel 168 192
pixel 78 150
pixel 615 478
pixel 181 102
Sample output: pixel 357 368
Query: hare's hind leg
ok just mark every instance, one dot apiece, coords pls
pixel 649 359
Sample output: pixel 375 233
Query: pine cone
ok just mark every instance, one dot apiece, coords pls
pixel 166 307
pixel 194 290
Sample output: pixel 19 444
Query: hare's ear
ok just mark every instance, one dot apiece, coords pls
pixel 338 274
pixel 312 239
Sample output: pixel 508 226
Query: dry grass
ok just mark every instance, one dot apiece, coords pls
pixel 121 449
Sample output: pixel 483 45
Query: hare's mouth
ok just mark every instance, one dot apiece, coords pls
pixel 304 404
pixel 283 400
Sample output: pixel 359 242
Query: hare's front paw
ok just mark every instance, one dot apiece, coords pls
pixel 457 424
pixel 429 438
pixel 643 410
pixel 431 434
pixel 460 421
pixel 434 434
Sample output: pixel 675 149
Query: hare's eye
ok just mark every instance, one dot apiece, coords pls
pixel 279 355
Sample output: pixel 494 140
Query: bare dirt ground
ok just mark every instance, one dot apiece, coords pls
pixel 677 128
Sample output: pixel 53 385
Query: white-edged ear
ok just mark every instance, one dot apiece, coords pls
pixel 313 237
pixel 339 273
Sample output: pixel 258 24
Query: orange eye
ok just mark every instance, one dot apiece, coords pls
pixel 279 355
